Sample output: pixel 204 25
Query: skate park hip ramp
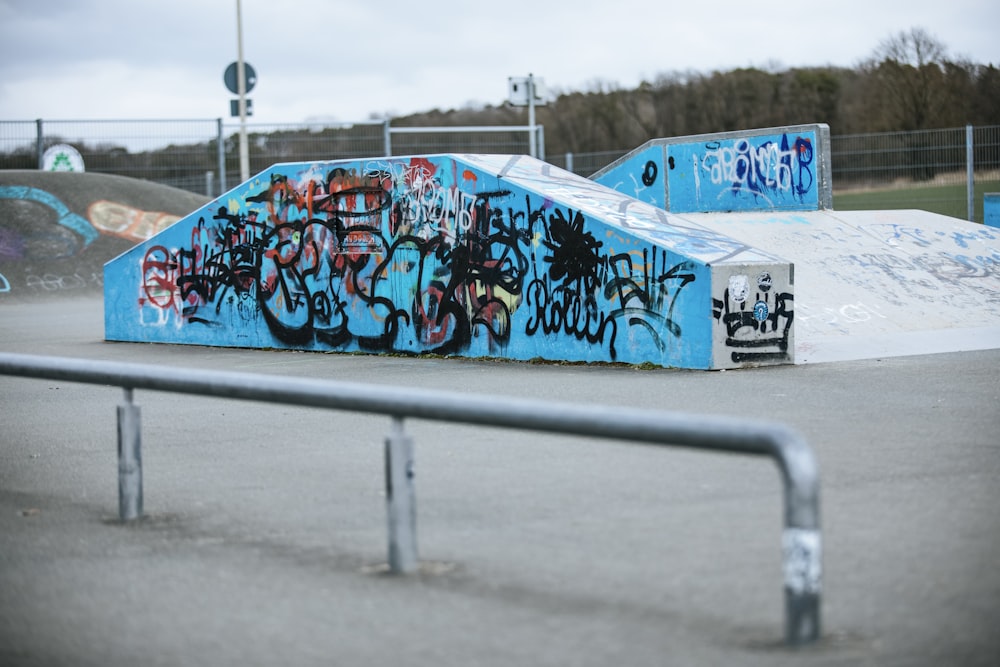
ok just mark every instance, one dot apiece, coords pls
pixel 471 255
pixel 868 284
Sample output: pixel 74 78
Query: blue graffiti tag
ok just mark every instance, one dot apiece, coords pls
pixel 4 284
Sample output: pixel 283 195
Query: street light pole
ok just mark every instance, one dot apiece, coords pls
pixel 241 89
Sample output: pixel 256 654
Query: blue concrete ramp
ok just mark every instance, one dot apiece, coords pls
pixel 771 169
pixel 471 255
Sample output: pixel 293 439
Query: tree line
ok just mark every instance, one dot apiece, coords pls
pixel 908 83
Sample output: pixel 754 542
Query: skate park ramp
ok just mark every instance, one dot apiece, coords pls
pixel 471 255
pixel 868 284
pixel 57 229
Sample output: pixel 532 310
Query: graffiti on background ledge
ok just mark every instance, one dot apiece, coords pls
pixel 409 255
pixel 775 171
pixel 4 284
pixel 64 216
pixel 128 222
pixel 758 320
pixel 103 217
pixel 52 282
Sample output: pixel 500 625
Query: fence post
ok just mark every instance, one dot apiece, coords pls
pixel 569 162
pixel 970 178
pixel 221 154
pixel 400 500
pixel 387 137
pixel 40 143
pixel 129 460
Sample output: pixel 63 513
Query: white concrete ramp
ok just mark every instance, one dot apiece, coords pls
pixel 872 284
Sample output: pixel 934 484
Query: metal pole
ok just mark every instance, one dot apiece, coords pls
pixel 801 545
pixel 221 152
pixel 40 143
pixel 129 460
pixel 387 137
pixel 241 89
pixel 970 175
pixel 802 565
pixel 532 139
pixel 400 500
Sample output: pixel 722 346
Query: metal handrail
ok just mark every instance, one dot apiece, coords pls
pixel 801 548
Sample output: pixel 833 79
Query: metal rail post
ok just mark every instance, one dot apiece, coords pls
pixel 801 546
pixel 400 499
pixel 129 460
pixel 801 561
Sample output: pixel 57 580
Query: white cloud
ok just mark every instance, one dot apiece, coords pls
pixel 122 58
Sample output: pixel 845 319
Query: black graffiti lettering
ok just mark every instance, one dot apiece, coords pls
pixel 650 171
pixel 560 310
pixel 745 330
pixel 642 302
pixel 362 257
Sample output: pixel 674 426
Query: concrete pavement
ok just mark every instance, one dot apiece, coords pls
pixel 266 525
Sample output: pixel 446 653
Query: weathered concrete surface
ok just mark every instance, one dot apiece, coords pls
pixel 266 524
pixel 57 229
pixel 872 284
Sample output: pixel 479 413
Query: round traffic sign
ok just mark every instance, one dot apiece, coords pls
pixel 230 78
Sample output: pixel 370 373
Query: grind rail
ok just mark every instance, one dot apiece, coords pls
pixel 801 548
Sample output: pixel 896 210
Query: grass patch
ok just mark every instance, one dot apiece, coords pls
pixel 944 199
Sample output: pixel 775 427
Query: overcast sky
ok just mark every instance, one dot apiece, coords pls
pixel 346 60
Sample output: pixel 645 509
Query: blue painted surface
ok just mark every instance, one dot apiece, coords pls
pixel 774 172
pixel 642 176
pixel 777 170
pixel 991 209
pixel 490 256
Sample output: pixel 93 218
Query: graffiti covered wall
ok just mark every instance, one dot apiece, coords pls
pixel 776 169
pixel 470 255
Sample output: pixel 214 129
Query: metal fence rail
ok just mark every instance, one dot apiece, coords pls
pixel 801 549
pixel 950 167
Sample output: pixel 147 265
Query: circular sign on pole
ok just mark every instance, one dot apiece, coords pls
pixel 62 157
pixel 230 78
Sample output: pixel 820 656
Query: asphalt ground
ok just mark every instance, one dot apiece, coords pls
pixel 265 527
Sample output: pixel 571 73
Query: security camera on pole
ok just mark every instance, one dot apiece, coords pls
pixel 528 91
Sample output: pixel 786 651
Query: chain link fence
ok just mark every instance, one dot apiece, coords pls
pixel 946 171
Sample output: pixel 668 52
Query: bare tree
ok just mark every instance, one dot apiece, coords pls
pixel 907 70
